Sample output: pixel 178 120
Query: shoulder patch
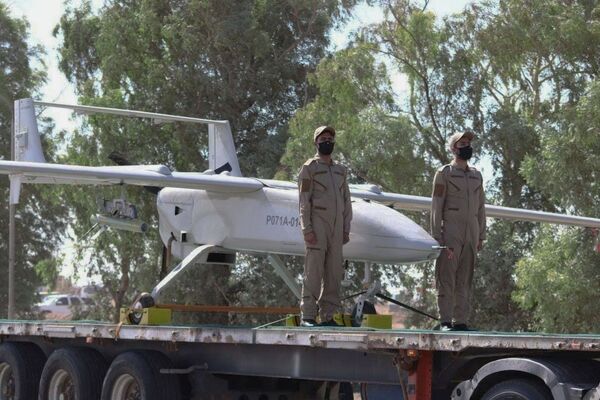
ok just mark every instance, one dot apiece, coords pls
pixel 438 190
pixel 310 161
pixel 305 185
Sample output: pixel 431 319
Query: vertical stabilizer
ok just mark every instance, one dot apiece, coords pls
pixel 28 146
pixel 221 149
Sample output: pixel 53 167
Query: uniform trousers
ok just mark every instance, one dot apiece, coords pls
pixel 454 280
pixel 323 272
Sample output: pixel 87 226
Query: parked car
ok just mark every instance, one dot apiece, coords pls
pixel 61 306
pixel 88 291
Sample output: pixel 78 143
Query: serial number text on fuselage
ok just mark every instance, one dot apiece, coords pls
pixel 283 220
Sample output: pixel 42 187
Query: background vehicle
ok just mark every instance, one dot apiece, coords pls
pixel 62 306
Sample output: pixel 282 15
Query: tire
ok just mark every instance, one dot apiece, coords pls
pixel 73 373
pixel 518 389
pixel 346 392
pixel 21 367
pixel 138 374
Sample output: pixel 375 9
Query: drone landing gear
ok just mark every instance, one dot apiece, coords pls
pixel 146 309
pixel 364 304
pixel 206 254
pixel 366 301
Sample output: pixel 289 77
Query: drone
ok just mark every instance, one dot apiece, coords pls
pixel 208 217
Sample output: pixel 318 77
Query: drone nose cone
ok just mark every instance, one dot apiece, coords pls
pixel 383 235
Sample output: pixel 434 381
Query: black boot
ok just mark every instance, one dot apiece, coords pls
pixel 461 327
pixel 331 322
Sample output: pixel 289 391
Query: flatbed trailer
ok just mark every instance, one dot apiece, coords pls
pixel 81 360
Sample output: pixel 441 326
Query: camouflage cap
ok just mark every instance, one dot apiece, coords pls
pixel 459 135
pixel 322 129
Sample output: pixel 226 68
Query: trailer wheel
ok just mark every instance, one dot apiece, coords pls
pixel 73 374
pixel 20 370
pixel 346 391
pixel 136 375
pixel 518 389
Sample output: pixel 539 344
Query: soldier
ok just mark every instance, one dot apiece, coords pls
pixel 325 214
pixel 457 222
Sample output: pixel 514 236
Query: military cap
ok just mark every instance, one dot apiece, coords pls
pixel 322 129
pixel 459 135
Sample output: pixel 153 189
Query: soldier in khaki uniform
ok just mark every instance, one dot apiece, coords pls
pixel 325 214
pixel 457 222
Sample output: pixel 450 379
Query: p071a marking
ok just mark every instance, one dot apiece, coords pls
pixel 283 220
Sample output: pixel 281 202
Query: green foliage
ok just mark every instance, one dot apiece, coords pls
pixel 241 61
pixel 567 166
pixel 48 271
pixel 559 282
pixel 355 97
pixel 39 216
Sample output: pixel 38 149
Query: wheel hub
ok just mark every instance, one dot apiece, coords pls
pixel 61 386
pixel 126 388
pixel 7 382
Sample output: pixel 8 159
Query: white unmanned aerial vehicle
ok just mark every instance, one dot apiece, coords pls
pixel 206 217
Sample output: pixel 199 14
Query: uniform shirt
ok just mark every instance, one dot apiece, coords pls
pixel 457 206
pixel 324 194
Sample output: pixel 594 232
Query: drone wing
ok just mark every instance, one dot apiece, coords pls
pixel 419 203
pixel 141 175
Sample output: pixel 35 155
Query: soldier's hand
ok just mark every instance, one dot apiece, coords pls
pixel 480 245
pixel 450 253
pixel 310 238
pixel 346 237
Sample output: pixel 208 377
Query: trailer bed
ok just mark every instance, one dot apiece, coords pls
pixel 329 337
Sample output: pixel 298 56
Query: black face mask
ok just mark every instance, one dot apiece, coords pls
pixel 325 148
pixel 465 153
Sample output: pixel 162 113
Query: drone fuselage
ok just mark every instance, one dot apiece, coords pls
pixel 267 221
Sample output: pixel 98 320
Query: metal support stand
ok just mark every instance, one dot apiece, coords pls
pixel 11 261
pixel 285 275
pixel 11 223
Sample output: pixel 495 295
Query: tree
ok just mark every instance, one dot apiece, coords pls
pixel 39 219
pixel 563 268
pixel 244 61
pixel 559 282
